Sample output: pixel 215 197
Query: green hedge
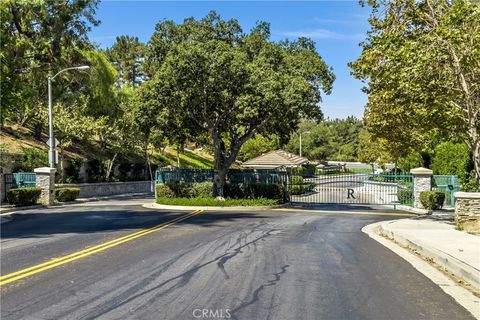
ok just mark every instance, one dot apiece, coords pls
pixel 23 196
pixel 405 196
pixel 233 191
pixel 432 200
pixel 297 185
pixel 255 191
pixel 66 194
pixel 216 203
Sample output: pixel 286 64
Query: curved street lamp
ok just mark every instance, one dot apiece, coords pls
pixel 51 151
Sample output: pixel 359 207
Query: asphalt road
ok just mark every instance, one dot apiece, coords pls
pixel 214 265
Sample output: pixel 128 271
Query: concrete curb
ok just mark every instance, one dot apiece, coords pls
pixel 457 267
pixel 463 296
pixel 205 208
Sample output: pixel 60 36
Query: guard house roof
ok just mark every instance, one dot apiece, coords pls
pixel 274 160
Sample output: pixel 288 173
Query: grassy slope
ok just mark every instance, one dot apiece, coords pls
pixel 16 139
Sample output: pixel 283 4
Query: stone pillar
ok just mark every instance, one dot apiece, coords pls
pixel 422 181
pixel 46 181
pixel 467 211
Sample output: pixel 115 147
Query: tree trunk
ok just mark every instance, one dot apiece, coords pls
pixel 109 168
pixel 178 157
pixel 220 167
pixel 476 152
pixel 38 130
pixel 62 166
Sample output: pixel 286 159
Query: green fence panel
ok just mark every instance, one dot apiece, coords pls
pixel 206 175
pixel 449 184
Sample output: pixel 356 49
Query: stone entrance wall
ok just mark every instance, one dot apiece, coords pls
pixel 467 211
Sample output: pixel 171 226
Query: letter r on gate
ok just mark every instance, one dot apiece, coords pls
pixel 350 194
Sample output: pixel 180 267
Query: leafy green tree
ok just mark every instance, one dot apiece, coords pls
pixel 451 159
pixel 327 140
pixel 257 146
pixel 372 150
pixel 211 77
pixel 421 64
pixel 126 55
pixel 40 38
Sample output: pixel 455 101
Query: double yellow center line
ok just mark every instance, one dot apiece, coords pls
pixel 55 262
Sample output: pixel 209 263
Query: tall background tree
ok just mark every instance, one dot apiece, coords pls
pixel 126 55
pixel 421 65
pixel 211 77
pixel 40 38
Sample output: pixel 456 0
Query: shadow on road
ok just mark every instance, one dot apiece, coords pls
pixel 85 220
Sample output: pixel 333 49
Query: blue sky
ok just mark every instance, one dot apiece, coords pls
pixel 336 26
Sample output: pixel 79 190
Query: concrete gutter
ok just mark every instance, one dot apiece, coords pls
pixel 453 264
pixel 211 208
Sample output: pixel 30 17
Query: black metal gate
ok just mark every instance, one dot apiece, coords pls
pixel 351 188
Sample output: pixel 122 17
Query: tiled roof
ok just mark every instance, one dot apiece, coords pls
pixel 274 159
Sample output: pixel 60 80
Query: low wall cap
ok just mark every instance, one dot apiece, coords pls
pixel 467 195
pixel 421 170
pixel 44 170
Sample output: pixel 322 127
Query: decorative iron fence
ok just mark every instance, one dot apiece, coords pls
pixel 19 180
pixel 206 175
pixel 449 185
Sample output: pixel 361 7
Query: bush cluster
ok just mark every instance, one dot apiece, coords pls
pixel 298 186
pixel 23 196
pixel 233 191
pixel 432 200
pixel 405 196
pixel 66 194
pixel 216 203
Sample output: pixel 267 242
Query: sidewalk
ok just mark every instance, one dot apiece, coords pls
pixel 456 251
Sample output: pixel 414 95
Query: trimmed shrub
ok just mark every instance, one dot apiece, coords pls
pixel 164 191
pixel 264 190
pixel 217 203
pixel 297 186
pixel 181 190
pixel 451 158
pixel 23 196
pixel 306 170
pixel 234 190
pixel 201 190
pixel 66 194
pixel 405 196
pixel 432 200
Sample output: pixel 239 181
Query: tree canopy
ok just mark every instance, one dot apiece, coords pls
pixel 421 64
pixel 209 77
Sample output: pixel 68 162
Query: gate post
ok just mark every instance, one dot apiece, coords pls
pixel 422 181
pixel 45 179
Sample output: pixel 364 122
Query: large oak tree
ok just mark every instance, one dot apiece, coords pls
pixel 209 77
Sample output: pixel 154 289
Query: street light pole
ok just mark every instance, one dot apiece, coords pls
pixel 52 146
pixel 51 149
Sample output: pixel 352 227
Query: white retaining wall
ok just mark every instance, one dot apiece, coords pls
pixel 89 190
